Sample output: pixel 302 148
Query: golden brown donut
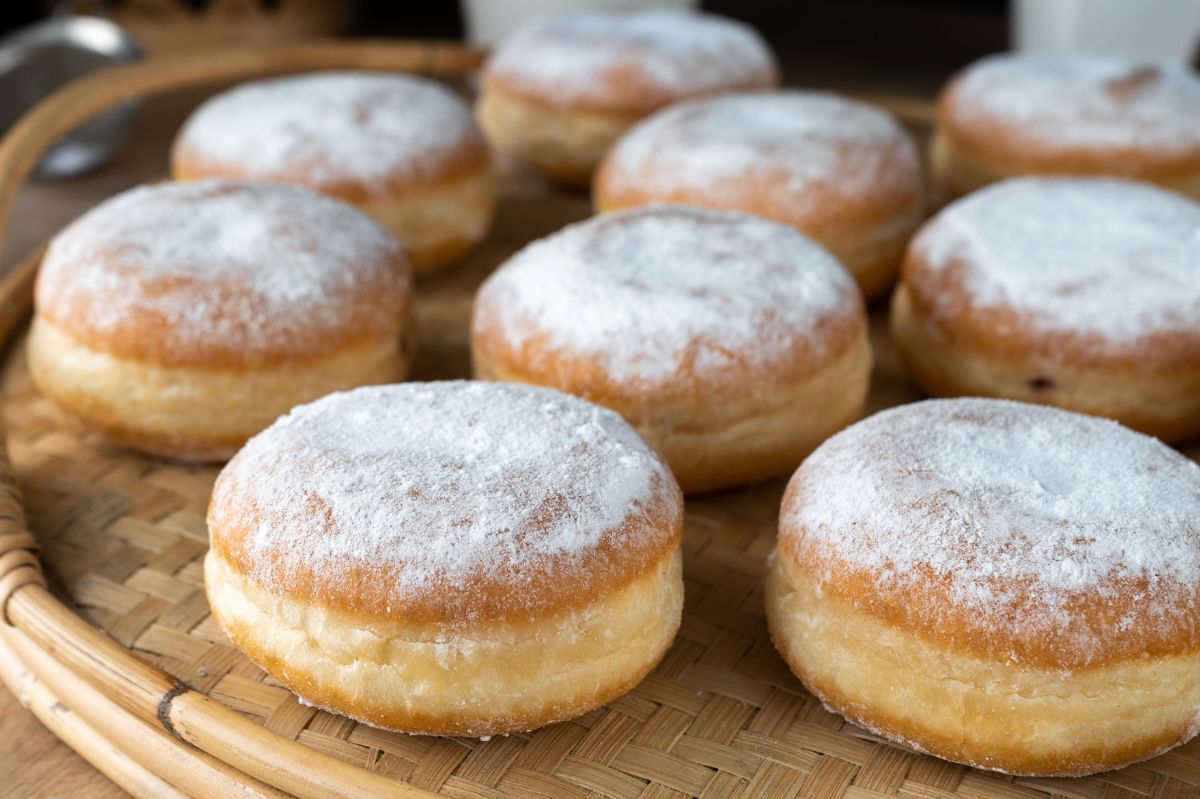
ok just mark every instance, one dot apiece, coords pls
pixel 558 91
pixel 405 150
pixel 1078 292
pixel 734 345
pixel 1068 114
pixel 449 558
pixel 1004 585
pixel 182 318
pixel 842 172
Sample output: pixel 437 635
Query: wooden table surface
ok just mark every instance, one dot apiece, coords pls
pixel 33 762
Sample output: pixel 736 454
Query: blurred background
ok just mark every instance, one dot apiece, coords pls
pixel 865 45
pixel 873 45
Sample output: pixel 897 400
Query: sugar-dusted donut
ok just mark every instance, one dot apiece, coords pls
pixel 733 344
pixel 1077 292
pixel 1004 585
pixel 1068 114
pixel 558 91
pixel 404 149
pixel 183 318
pixel 843 172
pixel 449 558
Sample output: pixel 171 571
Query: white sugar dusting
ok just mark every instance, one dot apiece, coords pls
pixel 677 53
pixel 990 494
pixel 242 264
pixel 1084 101
pixel 436 483
pixel 330 128
pixel 1111 258
pixel 651 290
pixel 800 141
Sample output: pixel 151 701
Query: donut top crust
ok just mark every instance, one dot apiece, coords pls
pixel 349 134
pixel 223 274
pixel 1023 532
pixel 799 157
pixel 669 301
pixel 1061 112
pixel 1077 268
pixel 455 502
pixel 628 62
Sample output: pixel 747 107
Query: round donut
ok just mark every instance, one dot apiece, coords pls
pixel 1004 585
pixel 1068 114
pixel 183 318
pixel 733 344
pixel 449 558
pixel 403 149
pixel 1077 292
pixel 558 91
pixel 843 172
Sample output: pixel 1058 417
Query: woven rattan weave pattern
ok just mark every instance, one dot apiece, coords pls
pixel 123 537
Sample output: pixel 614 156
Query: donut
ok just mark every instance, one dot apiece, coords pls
pixel 1068 114
pixel 1078 292
pixel 182 318
pixel 450 558
pixel 843 172
pixel 403 149
pixel 560 89
pixel 733 344
pixel 1005 585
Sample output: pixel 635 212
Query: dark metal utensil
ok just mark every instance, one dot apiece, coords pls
pixel 36 60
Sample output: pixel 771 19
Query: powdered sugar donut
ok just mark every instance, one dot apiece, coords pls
pixel 734 345
pixel 558 91
pixel 403 149
pixel 1068 114
pixel 1077 292
pixel 843 172
pixel 449 558
pixel 1004 585
pixel 182 318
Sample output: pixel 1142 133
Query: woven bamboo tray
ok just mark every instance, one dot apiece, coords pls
pixel 120 658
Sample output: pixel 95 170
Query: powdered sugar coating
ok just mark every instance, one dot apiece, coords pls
pixel 654 292
pixel 802 146
pixel 1082 102
pixel 188 272
pixel 1115 260
pixel 1017 515
pixel 655 55
pixel 429 490
pixel 331 130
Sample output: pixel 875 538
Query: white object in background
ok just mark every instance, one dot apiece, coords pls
pixel 1168 29
pixel 488 21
